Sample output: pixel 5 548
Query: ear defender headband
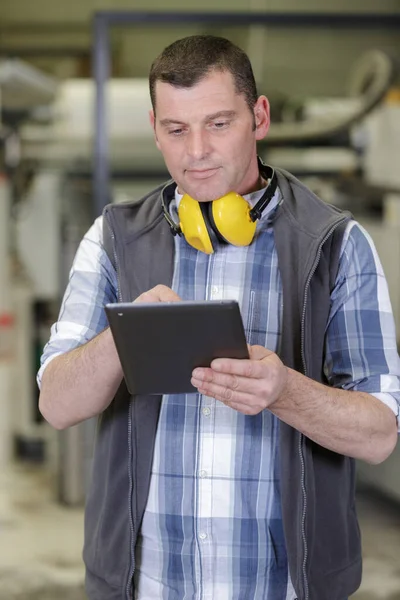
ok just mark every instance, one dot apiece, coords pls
pixel 228 219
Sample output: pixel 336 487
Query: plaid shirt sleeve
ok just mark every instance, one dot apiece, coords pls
pixel 92 284
pixel 361 348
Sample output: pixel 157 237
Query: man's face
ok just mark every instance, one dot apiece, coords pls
pixel 207 137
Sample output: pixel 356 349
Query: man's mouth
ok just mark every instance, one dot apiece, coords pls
pixel 201 173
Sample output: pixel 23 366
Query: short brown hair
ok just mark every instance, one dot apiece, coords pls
pixel 187 61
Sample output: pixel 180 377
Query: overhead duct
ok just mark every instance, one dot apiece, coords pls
pixel 370 80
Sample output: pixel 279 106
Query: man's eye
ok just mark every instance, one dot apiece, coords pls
pixel 220 124
pixel 175 132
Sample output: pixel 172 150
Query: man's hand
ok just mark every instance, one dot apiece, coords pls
pixel 160 293
pixel 248 386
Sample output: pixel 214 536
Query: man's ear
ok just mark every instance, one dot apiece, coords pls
pixel 261 117
pixel 152 119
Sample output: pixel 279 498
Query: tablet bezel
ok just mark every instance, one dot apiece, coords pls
pixel 159 344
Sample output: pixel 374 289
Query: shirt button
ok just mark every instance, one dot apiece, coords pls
pixel 206 411
pixel 214 290
pixel 203 536
pixel 203 474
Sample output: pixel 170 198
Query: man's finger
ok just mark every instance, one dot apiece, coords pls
pixel 258 352
pixel 160 293
pixel 205 378
pixel 165 294
pixel 253 369
pixel 228 396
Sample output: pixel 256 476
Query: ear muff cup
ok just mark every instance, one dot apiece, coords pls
pixel 231 218
pixel 194 225
pixel 205 223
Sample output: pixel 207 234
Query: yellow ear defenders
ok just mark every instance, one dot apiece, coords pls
pixel 229 219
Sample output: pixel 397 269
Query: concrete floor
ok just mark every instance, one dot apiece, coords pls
pixel 380 528
pixel 41 541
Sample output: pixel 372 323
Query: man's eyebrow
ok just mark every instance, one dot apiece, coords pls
pixel 166 122
pixel 221 114
pixel 227 114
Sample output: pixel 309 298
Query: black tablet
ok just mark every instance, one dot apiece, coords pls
pixel 160 344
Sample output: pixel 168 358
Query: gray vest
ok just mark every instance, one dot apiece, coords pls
pixel 317 485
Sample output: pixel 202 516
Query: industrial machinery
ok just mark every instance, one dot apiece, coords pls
pixel 22 90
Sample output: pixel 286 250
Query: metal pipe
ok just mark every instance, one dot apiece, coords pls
pixel 101 65
pixel 6 332
pixel 281 19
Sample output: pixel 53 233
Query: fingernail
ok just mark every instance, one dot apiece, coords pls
pixel 216 365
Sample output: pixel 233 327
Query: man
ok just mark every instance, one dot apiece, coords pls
pixel 246 489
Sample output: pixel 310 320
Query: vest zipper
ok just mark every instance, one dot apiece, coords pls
pixel 301 440
pixel 112 235
pixel 131 522
pixel 128 587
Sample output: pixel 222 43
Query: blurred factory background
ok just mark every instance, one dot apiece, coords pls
pixel 74 134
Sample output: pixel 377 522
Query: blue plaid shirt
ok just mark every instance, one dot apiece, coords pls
pixel 212 526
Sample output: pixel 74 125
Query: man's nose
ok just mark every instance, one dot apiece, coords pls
pixel 197 144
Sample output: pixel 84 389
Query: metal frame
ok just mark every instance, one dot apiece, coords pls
pixel 103 21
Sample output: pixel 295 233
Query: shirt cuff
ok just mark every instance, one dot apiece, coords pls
pixel 391 402
pixel 44 365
